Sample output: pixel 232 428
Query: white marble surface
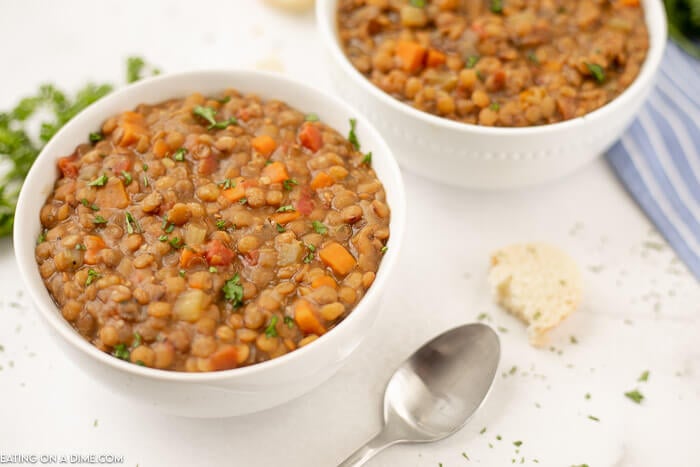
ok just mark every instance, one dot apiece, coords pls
pixel 641 311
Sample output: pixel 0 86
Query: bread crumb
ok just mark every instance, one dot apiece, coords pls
pixel 538 283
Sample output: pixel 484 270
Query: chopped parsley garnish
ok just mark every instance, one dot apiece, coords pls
pixel 80 246
pixel 175 242
pixel 288 184
pixel 131 224
pixel 224 100
pixel 145 180
pixel 221 224
pixel 480 75
pixel 286 208
pixel 99 220
pixel 233 291
pixel 179 155
pixel 127 177
pixel 167 226
pixel 384 249
pixel 213 270
pixel 280 228
pixel 472 60
pixel 163 238
pixel 587 396
pixel 87 204
pixel 270 330
pixel 289 321
pixel 533 58
pixel 517 443
pixel 137 340
pixel 311 117
pixel 181 273
pixel 635 396
pixel 483 430
pixel 597 71
pixel 497 6
pixel 352 136
pixel 243 200
pixel 96 137
pixel 644 376
pixel 145 167
pixel 573 340
pixel 595 419
pixel 417 3
pixel 140 363
pixel 319 228
pixel 495 106
pixel 227 183
pixel 41 238
pixel 310 256
pixel 92 276
pixel 120 351
pixel 99 181
pixel 367 159
pixel 224 123
pixel 209 114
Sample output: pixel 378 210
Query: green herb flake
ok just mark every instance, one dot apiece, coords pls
pixel 140 363
pixel 233 291
pixel 498 437
pixel 223 124
pixel 595 419
pixel 635 396
pixel 352 136
pixel 573 340
pixel 145 167
pixel 319 228
pixel 311 117
pixel 495 106
pixel 517 444
pixel 310 255
pixel 221 224
pixel 179 155
pixel 224 100
pixel 644 377
pixel 145 181
pixel 121 352
pixel 497 6
pixel 417 3
pixel 587 396
pixel 280 228
pixel 531 56
pixel 206 113
pixel 175 242
pixel 367 159
pixel 286 208
pixel 384 249
pixel 99 220
pixel 243 200
pixel 227 183
pixel 289 321
pixel 483 430
pixel 41 238
pixel 99 181
pixel 213 270
pixel 163 238
pixel 472 60
pixel 92 277
pixel 288 184
pixel 181 273
pixel 132 225
pixel 134 67
pixel 95 137
pixel 138 339
pixel 127 177
pixel 270 330
pixel 597 71
pixel 80 246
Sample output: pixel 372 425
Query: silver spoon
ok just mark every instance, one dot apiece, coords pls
pixel 435 391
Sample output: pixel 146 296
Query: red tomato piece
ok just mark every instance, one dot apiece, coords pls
pixel 218 254
pixel 310 137
pixel 68 166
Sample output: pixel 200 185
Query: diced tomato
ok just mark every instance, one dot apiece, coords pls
pixel 68 166
pixel 218 254
pixel 310 137
pixel 208 165
pixel 252 257
pixel 305 204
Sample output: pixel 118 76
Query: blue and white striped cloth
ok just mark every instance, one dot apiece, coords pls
pixel 658 158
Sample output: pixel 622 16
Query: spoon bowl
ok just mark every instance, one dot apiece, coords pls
pixel 437 390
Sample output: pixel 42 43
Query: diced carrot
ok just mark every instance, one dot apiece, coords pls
pixel 310 137
pixel 630 2
pixel 306 318
pixel 338 258
pixel 236 193
pixel 160 148
pixel 131 117
pixel 93 245
pixel 411 55
pixel 112 195
pixel 435 58
pixel 188 257
pixel 276 172
pixel 550 65
pixel 68 166
pixel 285 217
pixel 225 358
pixel 321 180
pixel 218 254
pixel 322 281
pixel 132 133
pixel 264 144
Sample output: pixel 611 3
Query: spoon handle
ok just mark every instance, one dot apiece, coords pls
pixel 375 445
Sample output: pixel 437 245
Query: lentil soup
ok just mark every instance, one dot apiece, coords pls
pixel 508 63
pixel 204 234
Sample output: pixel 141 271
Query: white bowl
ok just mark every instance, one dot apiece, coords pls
pixel 486 157
pixel 231 392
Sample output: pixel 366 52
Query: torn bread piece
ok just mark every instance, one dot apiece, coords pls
pixel 538 283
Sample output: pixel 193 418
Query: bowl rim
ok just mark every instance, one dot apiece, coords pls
pixel 24 240
pixel 655 18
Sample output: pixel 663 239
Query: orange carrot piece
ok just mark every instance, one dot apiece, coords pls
pixel 112 195
pixel 186 257
pixel 236 193
pixel 338 258
pixel 225 358
pixel 435 58
pixel 630 2
pixel 276 172
pixel 310 137
pixel 285 217
pixel 160 148
pixel 306 318
pixel 93 245
pixel 411 55
pixel 321 180
pixel 264 144
pixel 323 281
pixel 132 133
